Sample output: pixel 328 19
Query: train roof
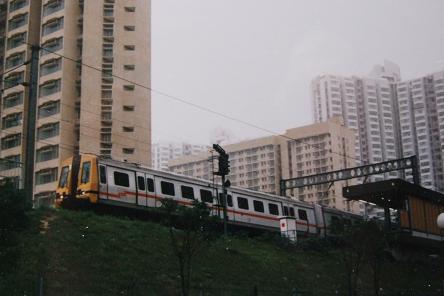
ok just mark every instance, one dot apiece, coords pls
pixel 391 193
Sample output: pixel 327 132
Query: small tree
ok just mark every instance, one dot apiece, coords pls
pixel 360 244
pixel 190 231
pixel 12 219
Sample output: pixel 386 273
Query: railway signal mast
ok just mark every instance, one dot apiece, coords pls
pixel 223 170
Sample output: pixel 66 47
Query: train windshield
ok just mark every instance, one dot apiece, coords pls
pixel 64 176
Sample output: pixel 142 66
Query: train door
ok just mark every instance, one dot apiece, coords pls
pixel 121 185
pixel 103 184
pixel 141 189
pixel 145 190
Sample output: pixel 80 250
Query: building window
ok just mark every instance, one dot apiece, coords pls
pixel 108 32
pixel 11 141
pixel 16 40
pixel 48 109
pixel 130 9
pixel 46 176
pixel 129 47
pixel 129 28
pixel 15 60
pixel 107 52
pixel 128 108
pixel 52 45
pixel 53 6
pixel 13 100
pixel 52 26
pixel 129 87
pixel 14 79
pixel 50 66
pixel 47 153
pixel 129 67
pixel 47 131
pixel 128 150
pixel 17 4
pixel 17 21
pixel 128 129
pixel 50 87
pixel 10 162
pixel 11 120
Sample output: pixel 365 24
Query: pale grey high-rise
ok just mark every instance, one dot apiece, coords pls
pixel 392 118
pixel 80 108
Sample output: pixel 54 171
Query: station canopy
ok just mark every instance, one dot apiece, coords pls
pixel 390 193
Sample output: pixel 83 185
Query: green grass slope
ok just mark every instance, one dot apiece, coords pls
pixel 82 253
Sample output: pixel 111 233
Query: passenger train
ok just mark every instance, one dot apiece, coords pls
pixel 105 181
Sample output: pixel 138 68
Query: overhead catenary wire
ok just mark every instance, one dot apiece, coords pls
pixel 186 102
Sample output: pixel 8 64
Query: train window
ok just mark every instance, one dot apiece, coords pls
pixel 141 183
pixel 121 179
pixel 167 188
pixel 206 196
pixel 285 211
pixel 229 200
pixel 187 192
pixel 242 203
pixel 258 206
pixel 273 209
pixel 302 215
pixel 86 169
pixel 150 183
pixel 292 212
pixel 102 174
pixel 64 176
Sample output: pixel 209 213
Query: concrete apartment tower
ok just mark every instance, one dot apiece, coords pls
pixel 80 108
pixel 368 106
pixel 392 118
pixel 421 120
pixel 260 164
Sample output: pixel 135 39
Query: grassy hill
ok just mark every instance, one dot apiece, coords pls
pixel 82 253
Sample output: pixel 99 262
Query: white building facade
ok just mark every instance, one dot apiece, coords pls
pixel 163 152
pixel 391 118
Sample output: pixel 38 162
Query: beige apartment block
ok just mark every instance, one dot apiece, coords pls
pixel 319 148
pixel 82 107
pixel 260 164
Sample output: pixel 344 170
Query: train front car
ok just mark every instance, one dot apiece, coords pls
pixel 63 188
pixel 78 179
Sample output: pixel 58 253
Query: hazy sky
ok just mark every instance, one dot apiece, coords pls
pixel 254 59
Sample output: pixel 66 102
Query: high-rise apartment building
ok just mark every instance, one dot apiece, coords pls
pixel 367 106
pixel 82 106
pixel 260 164
pixel 163 152
pixel 421 120
pixel 392 118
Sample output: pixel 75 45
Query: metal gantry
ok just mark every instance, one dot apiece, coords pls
pixel 355 172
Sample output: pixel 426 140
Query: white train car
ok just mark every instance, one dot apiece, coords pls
pixel 107 181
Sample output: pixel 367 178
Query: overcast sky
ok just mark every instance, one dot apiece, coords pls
pixel 254 59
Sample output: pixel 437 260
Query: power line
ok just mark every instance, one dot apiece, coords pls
pixel 202 108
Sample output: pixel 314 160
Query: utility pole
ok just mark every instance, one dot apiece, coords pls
pixel 224 169
pixel 30 126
